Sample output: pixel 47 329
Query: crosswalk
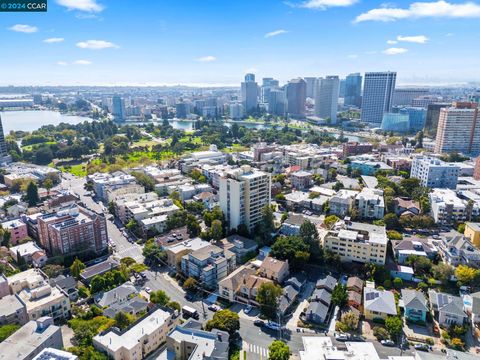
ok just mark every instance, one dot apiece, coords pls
pixel 255 349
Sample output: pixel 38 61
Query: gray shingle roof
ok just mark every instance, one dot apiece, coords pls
pixel 414 300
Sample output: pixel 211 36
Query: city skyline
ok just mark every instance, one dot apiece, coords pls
pixel 92 42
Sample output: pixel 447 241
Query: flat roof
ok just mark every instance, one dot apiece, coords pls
pixel 132 336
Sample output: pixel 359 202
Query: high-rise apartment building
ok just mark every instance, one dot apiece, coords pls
pixel 250 94
pixel 118 108
pixel 277 104
pixel 268 84
pixel 377 98
pixel 72 229
pixel 433 114
pixel 353 90
pixel 342 87
pixel 181 110
pixel 296 93
pixel 459 129
pixel 326 98
pixel 310 81
pixel 435 173
pixel 243 194
pixel 4 157
pixel 236 111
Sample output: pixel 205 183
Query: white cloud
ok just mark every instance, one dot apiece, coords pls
pixel 275 33
pixel 324 4
pixel 352 56
pixel 394 51
pixel 251 70
pixel 96 45
pixel 82 62
pixel 53 40
pixel 28 29
pixel 62 63
pixel 421 10
pixel 82 5
pixel 418 39
pixel 392 42
pixel 209 58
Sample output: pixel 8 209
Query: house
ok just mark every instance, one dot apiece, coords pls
pixel 273 269
pixel 229 286
pixel 68 284
pixel 118 295
pixel 416 247
pixel 403 205
pixel 459 250
pixel 291 226
pixel 30 252
pixel 207 198
pixel 328 283
pixel 248 291
pixel 317 312
pixel 476 307
pixel 239 245
pixel 298 281
pixel 132 306
pixel 447 308
pixel 472 231
pixel 378 304
pixel 98 269
pixel 289 296
pixel 405 273
pixel 322 295
pixel 354 283
pixel 354 299
pixel 415 305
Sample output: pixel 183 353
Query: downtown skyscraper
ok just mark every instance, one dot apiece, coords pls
pixel 353 90
pixel 249 94
pixel 296 93
pixel 326 98
pixel 378 91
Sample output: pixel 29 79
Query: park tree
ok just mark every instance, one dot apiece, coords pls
pixel 391 222
pixel 278 350
pixel 76 268
pixel 153 252
pixel 291 248
pixel 225 320
pixel 266 226
pixel 267 296
pixel 193 227
pixel 442 272
pixel 32 194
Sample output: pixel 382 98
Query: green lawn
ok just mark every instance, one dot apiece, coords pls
pixel 77 170
pixel 196 140
pixel 30 147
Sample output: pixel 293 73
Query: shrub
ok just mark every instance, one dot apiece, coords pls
pixel 380 333
pixel 430 341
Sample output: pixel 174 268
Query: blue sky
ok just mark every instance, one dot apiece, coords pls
pixel 152 42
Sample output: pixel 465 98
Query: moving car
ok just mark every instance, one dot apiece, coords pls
pixel 387 343
pixel 189 312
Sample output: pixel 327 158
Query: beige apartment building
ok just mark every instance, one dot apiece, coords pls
pixel 357 242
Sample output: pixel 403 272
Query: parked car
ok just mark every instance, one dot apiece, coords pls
pixel 248 309
pixel 148 290
pixel 342 337
pixel 259 323
pixel 387 343
pixel 214 307
pixel 272 326
pixel 422 347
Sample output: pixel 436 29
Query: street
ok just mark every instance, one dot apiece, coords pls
pixel 255 340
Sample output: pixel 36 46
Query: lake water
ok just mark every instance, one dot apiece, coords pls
pixel 33 120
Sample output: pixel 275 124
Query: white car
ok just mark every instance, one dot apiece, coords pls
pixel 214 307
pixel 148 290
pixel 248 309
